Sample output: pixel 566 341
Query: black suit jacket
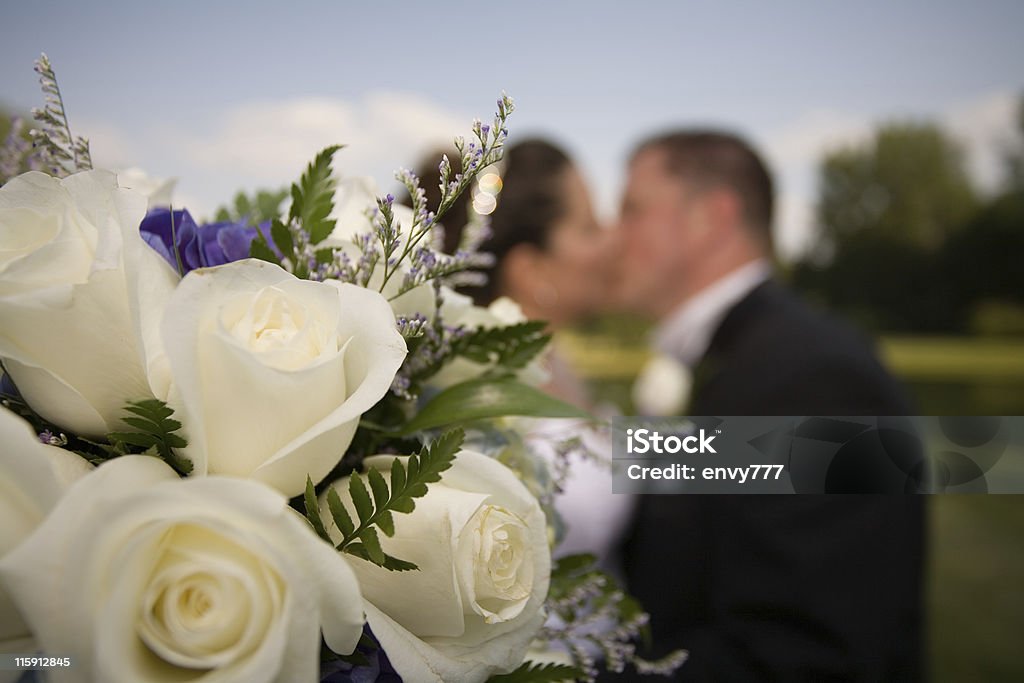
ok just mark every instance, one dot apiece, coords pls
pixel 784 588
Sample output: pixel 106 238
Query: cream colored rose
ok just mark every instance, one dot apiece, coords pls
pixel 158 191
pixel 70 255
pixel 140 576
pixel 480 541
pixel 33 477
pixel 271 373
pixel 458 309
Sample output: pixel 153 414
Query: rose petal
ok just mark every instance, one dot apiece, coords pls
pixel 33 477
pixel 71 341
pixel 83 579
pixel 250 419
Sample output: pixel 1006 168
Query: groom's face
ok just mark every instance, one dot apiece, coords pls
pixel 660 231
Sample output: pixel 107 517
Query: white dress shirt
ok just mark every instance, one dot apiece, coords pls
pixel 686 333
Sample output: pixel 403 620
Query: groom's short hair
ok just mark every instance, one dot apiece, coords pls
pixel 712 159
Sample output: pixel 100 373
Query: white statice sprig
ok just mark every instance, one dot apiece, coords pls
pixel 591 615
pixel 59 152
pixel 416 251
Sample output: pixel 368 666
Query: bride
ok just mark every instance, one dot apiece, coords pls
pixel 552 257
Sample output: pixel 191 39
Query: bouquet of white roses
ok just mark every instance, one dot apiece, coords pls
pixel 237 451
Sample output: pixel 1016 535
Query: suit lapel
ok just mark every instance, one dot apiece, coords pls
pixel 725 340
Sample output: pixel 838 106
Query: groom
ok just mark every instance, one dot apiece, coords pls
pixel 758 588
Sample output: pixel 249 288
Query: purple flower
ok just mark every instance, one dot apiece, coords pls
pixel 7 388
pixel 376 668
pixel 198 246
pixel 165 230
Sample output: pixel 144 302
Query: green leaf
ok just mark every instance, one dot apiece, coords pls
pixel 259 249
pixel 408 481
pixel 396 565
pixel 487 398
pixel 386 523
pixel 498 348
pixel 313 197
pixel 390 562
pixel 397 475
pixel 360 497
pixel 523 353
pixel 371 542
pixel 573 564
pixel 403 505
pixel 313 511
pixel 175 441
pixel 155 436
pixel 379 488
pixel 251 210
pixel 142 423
pixel 511 346
pixel 282 237
pixel 151 409
pixel 339 513
pixel 529 672
pixel 134 438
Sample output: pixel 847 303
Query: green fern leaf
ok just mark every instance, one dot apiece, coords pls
pixel 530 672
pixel 409 481
pixel 156 433
pixel 313 197
pixel 341 517
pixel 313 511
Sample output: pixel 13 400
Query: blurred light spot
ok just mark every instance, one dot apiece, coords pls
pixel 484 203
pixel 490 183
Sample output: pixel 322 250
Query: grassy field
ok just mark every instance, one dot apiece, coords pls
pixel 976 589
pixel 947 376
pixel 975 573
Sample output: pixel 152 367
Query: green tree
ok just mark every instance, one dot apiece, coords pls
pixel 981 261
pixel 907 185
pixel 885 210
pixel 1015 157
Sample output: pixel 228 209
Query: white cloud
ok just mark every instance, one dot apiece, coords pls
pixel 109 146
pixel 986 127
pixel 267 144
pixel 800 144
pixel 793 152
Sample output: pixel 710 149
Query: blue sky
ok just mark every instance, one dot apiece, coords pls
pixel 237 95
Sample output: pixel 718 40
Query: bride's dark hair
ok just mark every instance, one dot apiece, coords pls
pixel 529 205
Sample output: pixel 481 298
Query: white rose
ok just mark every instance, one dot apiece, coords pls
pixel 480 540
pixel 663 387
pixel 271 373
pixel 458 309
pixel 33 477
pixel 140 576
pixel 157 190
pixel 68 336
